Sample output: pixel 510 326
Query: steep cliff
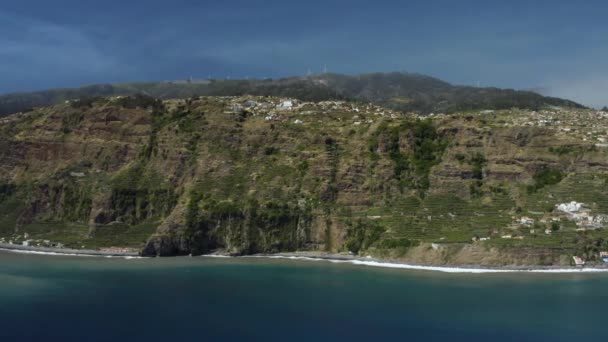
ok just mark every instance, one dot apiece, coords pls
pixel 261 175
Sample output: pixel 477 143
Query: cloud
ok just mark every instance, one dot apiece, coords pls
pixel 47 44
pixel 37 51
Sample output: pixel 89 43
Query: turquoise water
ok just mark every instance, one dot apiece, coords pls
pixel 203 299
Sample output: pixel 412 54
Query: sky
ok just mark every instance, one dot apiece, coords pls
pixel 558 47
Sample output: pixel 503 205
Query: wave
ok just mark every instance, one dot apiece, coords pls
pixel 126 257
pixel 444 269
pixel 291 257
pixel 216 256
pixel 358 262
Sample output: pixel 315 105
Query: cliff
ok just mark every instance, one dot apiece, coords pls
pixel 246 175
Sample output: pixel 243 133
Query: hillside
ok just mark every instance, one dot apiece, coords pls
pixel 398 91
pixel 250 175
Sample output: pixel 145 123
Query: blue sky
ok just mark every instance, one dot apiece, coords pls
pixel 560 46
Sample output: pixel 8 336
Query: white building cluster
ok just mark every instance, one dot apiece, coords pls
pixel 582 216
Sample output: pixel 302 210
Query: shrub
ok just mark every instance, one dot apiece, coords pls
pixel 398 243
pixel 270 150
pixel 561 150
pixel 362 235
pixel 478 161
pixel 140 101
pixel 71 120
pixel 545 177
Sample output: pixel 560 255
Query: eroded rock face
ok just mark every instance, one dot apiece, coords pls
pixel 165 246
pixel 196 176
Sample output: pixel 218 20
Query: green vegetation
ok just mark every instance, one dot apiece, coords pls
pixel 71 120
pixel 478 161
pixel 253 227
pixel 203 175
pixel 139 194
pixel 545 177
pixel 399 91
pixel 362 235
pixel 10 210
pixel 562 150
pixel 400 160
pixel 141 101
pixel 398 243
pixel 270 150
pixel 426 145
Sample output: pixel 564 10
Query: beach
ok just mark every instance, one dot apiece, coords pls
pixel 64 251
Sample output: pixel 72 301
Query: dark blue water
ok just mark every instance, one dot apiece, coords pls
pixel 46 298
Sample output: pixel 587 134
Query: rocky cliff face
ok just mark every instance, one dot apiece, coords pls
pixel 261 175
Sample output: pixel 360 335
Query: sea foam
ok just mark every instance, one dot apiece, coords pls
pixel 443 269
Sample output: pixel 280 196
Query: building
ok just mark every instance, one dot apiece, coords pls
pixel 286 105
pixel 578 261
pixel 571 207
pixel 526 221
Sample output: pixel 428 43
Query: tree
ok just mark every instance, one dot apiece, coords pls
pixel 605 109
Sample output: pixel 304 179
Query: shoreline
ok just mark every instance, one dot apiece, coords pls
pixel 322 256
pixel 374 262
pixel 63 251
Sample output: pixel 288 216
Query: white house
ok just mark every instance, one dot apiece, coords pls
pixel 571 207
pixel 287 104
pixel 526 221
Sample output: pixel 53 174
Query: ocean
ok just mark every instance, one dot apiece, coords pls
pixel 64 298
